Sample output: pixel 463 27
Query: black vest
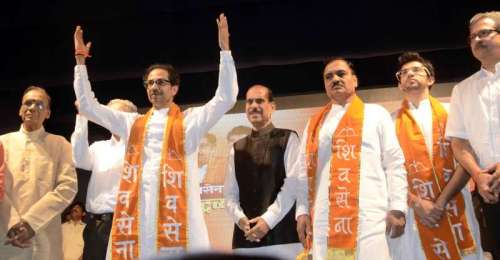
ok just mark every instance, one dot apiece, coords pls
pixel 260 173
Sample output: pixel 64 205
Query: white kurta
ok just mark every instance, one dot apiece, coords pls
pixel 105 160
pixel 409 246
pixel 72 240
pixel 276 211
pixel 383 185
pixel 197 122
pixel 475 114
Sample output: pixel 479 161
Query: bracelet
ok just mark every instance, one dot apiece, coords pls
pixel 83 53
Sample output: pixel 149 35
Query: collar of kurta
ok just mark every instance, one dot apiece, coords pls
pixel 163 111
pixel 423 102
pixel 33 134
pixel 264 131
pixel 486 73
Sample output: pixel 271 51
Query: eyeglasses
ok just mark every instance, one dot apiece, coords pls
pixel 38 104
pixel 481 34
pixel 159 82
pixel 415 70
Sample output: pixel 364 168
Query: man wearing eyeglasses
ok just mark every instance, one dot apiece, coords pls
pixel 352 180
pixel 441 214
pixel 474 120
pixel 158 208
pixel 40 183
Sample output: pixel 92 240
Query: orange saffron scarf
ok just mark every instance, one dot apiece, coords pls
pixel 344 178
pixel 426 179
pixel 171 235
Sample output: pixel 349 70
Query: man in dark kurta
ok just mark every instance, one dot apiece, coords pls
pixel 256 188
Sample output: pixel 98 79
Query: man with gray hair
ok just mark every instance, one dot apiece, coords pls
pixel 473 121
pixel 105 160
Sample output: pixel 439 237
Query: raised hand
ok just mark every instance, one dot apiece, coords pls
pixel 223 32
pixel 81 49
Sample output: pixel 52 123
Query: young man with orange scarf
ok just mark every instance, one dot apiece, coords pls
pixel 440 222
pixel 352 181
pixel 158 209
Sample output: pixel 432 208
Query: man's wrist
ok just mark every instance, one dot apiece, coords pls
pixel 80 59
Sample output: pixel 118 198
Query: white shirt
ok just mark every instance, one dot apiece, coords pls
pixel 409 245
pixel 105 160
pixel 72 239
pixel 475 114
pixel 383 186
pixel 285 198
pixel 197 122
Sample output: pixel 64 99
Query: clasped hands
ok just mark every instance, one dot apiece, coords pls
pixel 20 235
pixel 255 233
pixel 488 184
pixel 428 212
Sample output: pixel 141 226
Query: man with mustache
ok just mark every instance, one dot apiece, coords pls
pixel 40 182
pixel 352 182
pixel 260 166
pixel 441 213
pixel 158 208
pixel 474 119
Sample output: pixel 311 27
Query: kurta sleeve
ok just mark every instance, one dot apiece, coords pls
pixel 393 163
pixel 232 192
pixel 201 119
pixel 65 186
pixel 300 173
pixel 115 121
pixel 455 125
pixel 286 197
pixel 82 156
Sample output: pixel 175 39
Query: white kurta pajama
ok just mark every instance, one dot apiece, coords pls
pixel 409 246
pixel 105 160
pixel 275 212
pixel 383 185
pixel 197 122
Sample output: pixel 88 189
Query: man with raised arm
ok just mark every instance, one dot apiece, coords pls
pixel 158 209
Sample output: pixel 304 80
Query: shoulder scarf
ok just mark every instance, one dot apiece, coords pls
pixel 426 179
pixel 344 178
pixel 171 234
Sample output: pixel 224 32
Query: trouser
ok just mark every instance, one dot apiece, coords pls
pixel 492 216
pixel 96 235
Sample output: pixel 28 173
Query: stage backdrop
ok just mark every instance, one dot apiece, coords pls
pixel 293 113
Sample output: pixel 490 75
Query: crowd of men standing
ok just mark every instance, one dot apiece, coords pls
pixel 360 183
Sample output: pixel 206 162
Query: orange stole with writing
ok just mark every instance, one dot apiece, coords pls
pixel 172 205
pixel 426 179
pixel 344 177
